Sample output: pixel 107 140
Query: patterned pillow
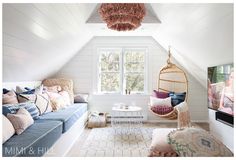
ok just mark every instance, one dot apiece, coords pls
pixel 21 120
pixel 159 94
pixel 13 108
pixel 41 101
pixel 196 142
pixel 177 98
pixel 162 109
pixel 159 146
pixel 9 98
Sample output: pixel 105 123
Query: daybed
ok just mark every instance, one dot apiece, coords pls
pixel 53 134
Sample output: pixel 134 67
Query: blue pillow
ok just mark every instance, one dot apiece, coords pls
pixel 5 91
pixel 13 108
pixel 177 98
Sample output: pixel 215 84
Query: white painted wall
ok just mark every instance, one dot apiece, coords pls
pixel 221 131
pixel 81 69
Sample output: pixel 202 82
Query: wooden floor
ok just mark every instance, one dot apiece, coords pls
pixel 75 152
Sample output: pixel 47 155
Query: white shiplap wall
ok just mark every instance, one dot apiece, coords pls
pixel 81 69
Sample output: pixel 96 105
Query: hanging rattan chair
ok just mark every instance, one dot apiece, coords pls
pixel 172 79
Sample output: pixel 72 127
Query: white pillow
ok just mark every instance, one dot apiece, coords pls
pixel 160 102
pixel 7 129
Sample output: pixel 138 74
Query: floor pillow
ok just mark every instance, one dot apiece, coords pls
pixel 159 145
pixel 196 142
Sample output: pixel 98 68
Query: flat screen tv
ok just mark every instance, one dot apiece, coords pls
pixel 221 88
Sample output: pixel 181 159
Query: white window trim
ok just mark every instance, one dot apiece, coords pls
pixel 122 86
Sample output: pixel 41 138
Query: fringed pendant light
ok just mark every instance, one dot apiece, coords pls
pixel 122 16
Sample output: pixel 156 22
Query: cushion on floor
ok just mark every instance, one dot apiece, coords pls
pixel 159 146
pixel 196 142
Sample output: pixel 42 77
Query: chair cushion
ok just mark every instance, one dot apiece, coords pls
pixel 68 116
pixel 160 101
pixel 196 142
pixel 159 145
pixel 162 110
pixel 34 141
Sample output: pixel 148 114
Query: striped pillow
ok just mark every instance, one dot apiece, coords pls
pixel 13 108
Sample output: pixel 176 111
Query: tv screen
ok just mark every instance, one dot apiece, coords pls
pixel 221 88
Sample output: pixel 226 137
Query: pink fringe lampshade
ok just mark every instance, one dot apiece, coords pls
pixel 122 16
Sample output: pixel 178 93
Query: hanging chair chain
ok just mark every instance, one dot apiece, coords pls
pixel 169 55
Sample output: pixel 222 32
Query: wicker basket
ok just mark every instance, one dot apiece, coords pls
pixel 96 121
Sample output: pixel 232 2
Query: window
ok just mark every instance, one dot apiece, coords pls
pixel 122 70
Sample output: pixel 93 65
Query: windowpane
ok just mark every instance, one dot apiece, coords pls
pixel 109 61
pixel 110 82
pixel 134 67
pixel 135 82
pixel 134 56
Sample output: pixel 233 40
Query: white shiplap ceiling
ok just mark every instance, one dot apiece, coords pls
pixel 38 39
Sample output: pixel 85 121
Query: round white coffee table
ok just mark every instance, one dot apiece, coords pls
pixel 126 119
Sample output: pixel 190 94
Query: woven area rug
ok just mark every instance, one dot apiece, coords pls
pixel 105 142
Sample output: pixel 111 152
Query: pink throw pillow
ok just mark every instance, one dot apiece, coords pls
pixel 162 109
pixel 159 94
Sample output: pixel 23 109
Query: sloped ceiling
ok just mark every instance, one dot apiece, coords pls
pixel 38 39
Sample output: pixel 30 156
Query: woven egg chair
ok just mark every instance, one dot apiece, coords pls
pixel 171 79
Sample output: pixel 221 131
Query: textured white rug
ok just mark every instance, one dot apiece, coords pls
pixel 104 142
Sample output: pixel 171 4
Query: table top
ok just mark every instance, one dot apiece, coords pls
pixel 129 109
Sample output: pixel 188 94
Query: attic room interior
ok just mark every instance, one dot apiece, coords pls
pixel 117 79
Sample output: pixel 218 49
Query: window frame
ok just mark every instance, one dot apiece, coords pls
pixel 122 68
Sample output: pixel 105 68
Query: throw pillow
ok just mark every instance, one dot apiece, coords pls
pixel 159 145
pixel 8 130
pixel 162 110
pixel 177 98
pixel 4 90
pixel 183 115
pixel 27 90
pixel 37 90
pixel 21 120
pixel 54 89
pixel 159 94
pixel 57 101
pixel 66 97
pixel 9 98
pixel 160 102
pixel 13 108
pixel 66 85
pixel 196 142
pixel 41 101
pixel 81 98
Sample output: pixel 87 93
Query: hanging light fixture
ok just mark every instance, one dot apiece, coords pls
pixel 122 16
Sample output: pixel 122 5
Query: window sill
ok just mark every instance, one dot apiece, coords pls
pixel 118 94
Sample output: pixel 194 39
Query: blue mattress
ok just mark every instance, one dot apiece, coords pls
pixel 34 141
pixel 68 116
